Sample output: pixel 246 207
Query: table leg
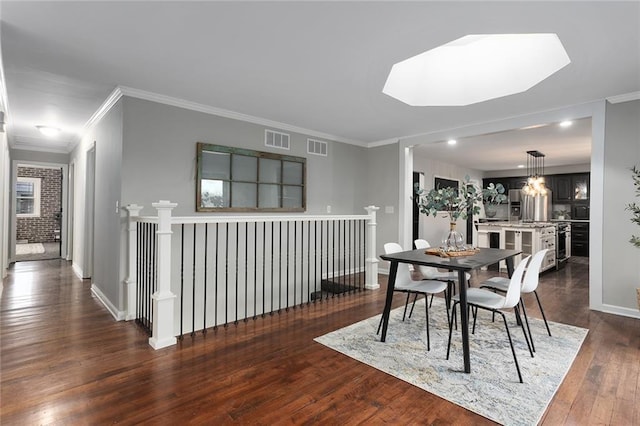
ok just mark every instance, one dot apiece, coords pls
pixel 464 321
pixel 387 305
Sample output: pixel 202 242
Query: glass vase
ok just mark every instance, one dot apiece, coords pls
pixel 453 240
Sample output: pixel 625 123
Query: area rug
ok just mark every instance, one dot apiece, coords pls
pixel 492 389
pixel 33 248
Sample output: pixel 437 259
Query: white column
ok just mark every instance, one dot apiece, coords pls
pixel 133 211
pixel 371 267
pixel 162 333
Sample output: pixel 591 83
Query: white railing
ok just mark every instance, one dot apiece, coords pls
pixel 187 274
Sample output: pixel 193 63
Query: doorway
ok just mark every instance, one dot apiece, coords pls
pixel 39 197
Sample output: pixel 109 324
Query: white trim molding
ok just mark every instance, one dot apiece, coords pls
pixel 117 315
pixel 626 97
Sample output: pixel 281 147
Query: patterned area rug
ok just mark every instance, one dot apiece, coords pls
pixel 34 248
pixel 492 389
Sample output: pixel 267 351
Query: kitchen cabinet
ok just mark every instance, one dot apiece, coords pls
pixel 580 239
pixel 527 239
pixel 580 184
pixel 570 188
pixel 562 189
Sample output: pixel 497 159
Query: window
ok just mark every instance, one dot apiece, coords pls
pixel 236 179
pixel 28 197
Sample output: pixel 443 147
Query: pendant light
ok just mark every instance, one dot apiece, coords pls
pixel 535 170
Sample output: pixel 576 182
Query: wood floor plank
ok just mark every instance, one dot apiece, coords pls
pixel 65 360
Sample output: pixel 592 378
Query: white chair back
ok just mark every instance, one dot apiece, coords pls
pixel 532 276
pixel 512 297
pixel 427 272
pixel 403 276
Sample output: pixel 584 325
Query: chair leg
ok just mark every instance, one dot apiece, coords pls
pixel 453 312
pixel 542 311
pixel 526 320
pixel 516 310
pixel 513 351
pixel 425 300
pixel 452 292
pixel 404 314
pixel 446 305
pixel 475 315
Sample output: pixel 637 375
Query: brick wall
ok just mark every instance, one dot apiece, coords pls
pixel 40 229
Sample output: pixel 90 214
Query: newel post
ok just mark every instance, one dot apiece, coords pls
pixel 162 332
pixel 371 262
pixel 133 211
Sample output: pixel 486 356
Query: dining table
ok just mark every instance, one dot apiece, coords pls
pixel 462 264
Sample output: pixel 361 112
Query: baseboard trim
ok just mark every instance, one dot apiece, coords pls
pixel 77 270
pixel 117 315
pixel 619 310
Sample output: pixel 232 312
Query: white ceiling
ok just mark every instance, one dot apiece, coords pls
pixel 319 66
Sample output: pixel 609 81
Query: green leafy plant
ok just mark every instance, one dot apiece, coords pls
pixel 494 194
pixel 456 203
pixel 634 207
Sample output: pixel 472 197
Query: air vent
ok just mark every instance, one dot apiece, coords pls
pixel 276 139
pixel 317 147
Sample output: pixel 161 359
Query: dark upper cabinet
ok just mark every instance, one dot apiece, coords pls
pixel 562 190
pixel 580 186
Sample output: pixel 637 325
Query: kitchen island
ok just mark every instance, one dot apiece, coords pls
pixel 527 237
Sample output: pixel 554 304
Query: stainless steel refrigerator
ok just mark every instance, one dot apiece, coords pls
pixel 536 208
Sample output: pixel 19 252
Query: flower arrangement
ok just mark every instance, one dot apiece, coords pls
pixel 494 194
pixel 456 203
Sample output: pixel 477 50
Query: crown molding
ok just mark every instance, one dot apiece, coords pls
pixel 633 96
pixel 194 106
pixel 106 106
pixel 383 142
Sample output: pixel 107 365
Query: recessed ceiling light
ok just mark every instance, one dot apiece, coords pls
pixel 49 130
pixel 521 166
pixel 476 68
pixel 566 123
pixel 452 141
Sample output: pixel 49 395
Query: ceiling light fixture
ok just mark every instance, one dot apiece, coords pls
pixel 452 141
pixel 566 123
pixel 521 166
pixel 476 68
pixel 49 131
pixel 535 170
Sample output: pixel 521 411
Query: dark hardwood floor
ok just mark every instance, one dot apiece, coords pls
pixel 64 360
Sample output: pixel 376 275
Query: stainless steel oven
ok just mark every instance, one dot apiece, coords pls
pixel 563 243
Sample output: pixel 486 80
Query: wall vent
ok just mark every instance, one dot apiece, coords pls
pixel 276 139
pixel 317 147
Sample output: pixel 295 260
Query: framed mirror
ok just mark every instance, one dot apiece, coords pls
pixel 243 180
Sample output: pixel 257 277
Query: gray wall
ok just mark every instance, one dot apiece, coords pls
pixel 383 177
pixel 159 159
pixel 621 262
pixel 107 135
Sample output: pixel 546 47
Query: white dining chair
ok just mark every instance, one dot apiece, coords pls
pixel 432 273
pixel 494 302
pixel 405 284
pixel 529 285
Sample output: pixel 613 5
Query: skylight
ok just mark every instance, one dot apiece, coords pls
pixel 476 68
